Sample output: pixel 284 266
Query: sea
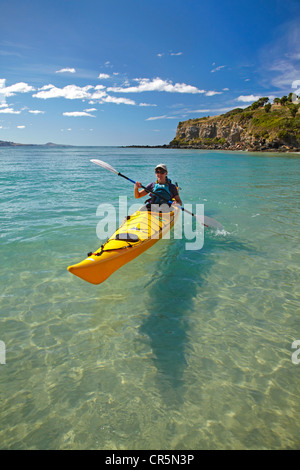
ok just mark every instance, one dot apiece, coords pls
pixel 180 348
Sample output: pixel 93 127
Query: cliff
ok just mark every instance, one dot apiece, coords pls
pixel 260 127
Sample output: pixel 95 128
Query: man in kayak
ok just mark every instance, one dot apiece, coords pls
pixel 161 191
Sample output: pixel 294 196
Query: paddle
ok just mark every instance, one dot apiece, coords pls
pixel 206 221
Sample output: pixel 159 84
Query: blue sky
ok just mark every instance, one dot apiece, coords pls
pixel 122 72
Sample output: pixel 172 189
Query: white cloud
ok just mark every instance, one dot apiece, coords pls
pixel 212 93
pixel 216 69
pixel 90 110
pixel 70 92
pixel 293 55
pixel 155 118
pixel 36 111
pixel 2 97
pixel 113 99
pixel 280 58
pixel 193 111
pixel 70 70
pixel 147 104
pixel 21 127
pixel 157 84
pixel 161 54
pixel 9 111
pixel 46 87
pixel 103 76
pixel 78 114
pixel 98 95
pixel 19 88
pixel 287 73
pixel 11 90
pixel 248 98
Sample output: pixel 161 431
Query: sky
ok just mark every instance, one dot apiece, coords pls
pixel 94 72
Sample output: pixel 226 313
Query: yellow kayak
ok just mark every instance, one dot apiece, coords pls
pixel 137 233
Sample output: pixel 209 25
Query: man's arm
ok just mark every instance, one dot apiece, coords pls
pixel 137 193
pixel 177 200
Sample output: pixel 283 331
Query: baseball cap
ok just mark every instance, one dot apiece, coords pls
pixel 162 166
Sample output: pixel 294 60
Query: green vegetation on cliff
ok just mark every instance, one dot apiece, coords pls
pixel 261 126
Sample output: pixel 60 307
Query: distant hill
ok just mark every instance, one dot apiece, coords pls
pixel 4 143
pixel 260 127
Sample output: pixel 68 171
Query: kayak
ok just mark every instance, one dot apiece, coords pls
pixel 137 233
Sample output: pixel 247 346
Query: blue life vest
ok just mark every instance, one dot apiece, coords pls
pixel 161 191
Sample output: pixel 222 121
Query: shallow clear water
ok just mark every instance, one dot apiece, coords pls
pixel 178 349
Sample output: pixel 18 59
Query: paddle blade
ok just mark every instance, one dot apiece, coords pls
pixel 209 222
pixel 105 165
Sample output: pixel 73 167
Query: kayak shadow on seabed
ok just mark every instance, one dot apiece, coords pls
pixel 172 291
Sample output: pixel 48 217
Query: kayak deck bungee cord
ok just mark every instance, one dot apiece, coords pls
pixel 136 234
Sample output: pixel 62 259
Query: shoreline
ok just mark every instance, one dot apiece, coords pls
pixel 282 150
pixel 227 149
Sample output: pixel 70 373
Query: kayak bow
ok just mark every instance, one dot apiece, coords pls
pixel 137 234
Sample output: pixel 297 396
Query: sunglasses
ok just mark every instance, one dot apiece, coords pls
pixel 160 171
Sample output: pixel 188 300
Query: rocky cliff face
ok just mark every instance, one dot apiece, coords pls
pixel 231 132
pixel 242 130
